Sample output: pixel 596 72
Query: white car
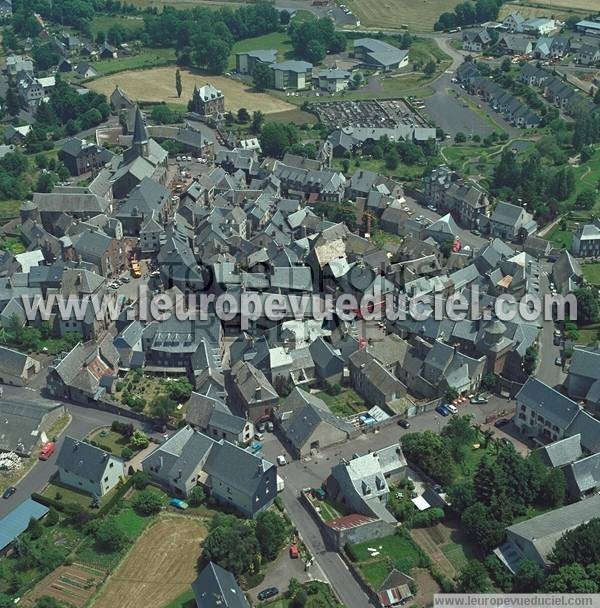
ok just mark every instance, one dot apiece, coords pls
pixel 281 461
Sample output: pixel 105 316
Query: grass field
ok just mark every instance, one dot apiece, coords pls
pixel 561 9
pixel 149 58
pixel 346 403
pixel 184 4
pixel 591 273
pixel 237 95
pixel 102 23
pixel 418 15
pixel 160 567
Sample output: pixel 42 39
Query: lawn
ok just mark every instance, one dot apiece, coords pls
pixel 398 547
pixel 148 58
pixel 276 40
pixel 159 569
pixel 69 495
pixel 102 23
pixel 423 50
pixel 394 14
pixel 375 572
pixel 589 334
pixel 347 403
pixel 455 554
pixel 14 244
pixel 185 600
pixel 9 209
pixel 237 95
pixel 110 441
pixel 402 171
pixel 591 273
pixel 560 238
pixel 560 9
pixel 381 238
pixel 329 510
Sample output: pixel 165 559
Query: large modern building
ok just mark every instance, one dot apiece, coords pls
pixel 586 240
pixel 291 74
pixel 246 61
pixel 374 53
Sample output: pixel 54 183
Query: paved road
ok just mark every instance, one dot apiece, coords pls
pixel 84 420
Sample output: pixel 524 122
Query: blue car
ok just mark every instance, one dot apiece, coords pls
pixel 178 504
pixel 442 410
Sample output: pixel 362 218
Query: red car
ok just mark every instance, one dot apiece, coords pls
pixel 294 554
pixel 47 450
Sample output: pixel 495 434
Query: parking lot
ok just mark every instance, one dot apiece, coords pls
pixel 373 113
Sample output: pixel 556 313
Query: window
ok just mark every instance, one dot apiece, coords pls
pixel 106 479
pixel 110 466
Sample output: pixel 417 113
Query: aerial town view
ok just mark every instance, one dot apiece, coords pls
pixel 299 303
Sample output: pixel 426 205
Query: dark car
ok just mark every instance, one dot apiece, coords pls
pixel 404 423
pixel 442 410
pixel 9 492
pixel 265 594
pixel 501 422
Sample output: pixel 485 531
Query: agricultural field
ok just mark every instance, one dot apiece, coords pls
pixel 237 94
pixel 160 567
pixel 561 9
pixel 418 15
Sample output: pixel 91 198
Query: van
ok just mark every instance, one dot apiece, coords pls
pixel 47 450
pixel 451 408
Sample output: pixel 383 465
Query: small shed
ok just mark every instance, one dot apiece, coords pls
pixel 17 521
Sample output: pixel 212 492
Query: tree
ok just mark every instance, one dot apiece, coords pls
pixel 554 488
pixel 126 453
pixel 45 182
pixel 587 306
pixel 529 579
pixel 6 601
pixel 446 248
pixel 262 76
pixel 178 85
pixel 357 80
pixel 482 527
pixel 586 199
pixel 147 502
pixel 52 518
pixel 489 381
pixel 232 544
pixel 392 159
pixel 284 17
pixel 460 138
pixel 276 138
pixel 580 545
pixel 530 360
pixel 139 440
pixel 140 480
pixel 258 119
pixel 13 106
pixel 429 69
pixel 35 528
pixel 315 52
pixel 461 495
pixel 110 534
pixel 473 578
pixel 505 65
pixel 571 578
pixel 243 115
pixel 162 407
pixel 197 496
pixel 180 390
pixel 271 534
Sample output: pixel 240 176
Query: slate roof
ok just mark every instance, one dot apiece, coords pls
pixel 584 474
pixel 293 66
pixel 544 530
pixel 561 452
pixel 20 424
pixel 12 361
pixel 17 521
pixel 83 459
pixel 216 587
pixel 508 214
pixel 307 412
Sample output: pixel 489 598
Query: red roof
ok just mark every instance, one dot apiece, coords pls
pixel 349 521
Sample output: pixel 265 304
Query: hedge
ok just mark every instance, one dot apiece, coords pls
pixel 48 502
pixel 118 495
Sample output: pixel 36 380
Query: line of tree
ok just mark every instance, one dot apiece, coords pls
pixel 313 39
pixel 469 13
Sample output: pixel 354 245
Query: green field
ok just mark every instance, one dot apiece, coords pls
pixel 398 547
pixel 102 23
pixel 148 58
pixel 560 238
pixel 591 273
pixel 418 15
pixel 346 403
pixel 9 209
pixel 423 50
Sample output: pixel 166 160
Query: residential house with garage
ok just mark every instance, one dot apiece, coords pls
pixel 16 368
pixel 230 474
pixel 212 416
pixel 362 483
pixel 251 392
pixel 216 587
pixel 308 425
pixel 88 469
pixel 476 40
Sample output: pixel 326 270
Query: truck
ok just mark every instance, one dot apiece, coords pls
pixel 280 484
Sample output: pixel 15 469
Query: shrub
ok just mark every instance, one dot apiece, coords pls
pixel 52 518
pixel 148 502
pixel 126 453
pixel 197 496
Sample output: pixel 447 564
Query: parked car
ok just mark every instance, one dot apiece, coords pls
pixel 178 504
pixel 501 422
pixel 260 427
pixel 265 594
pixel 47 450
pixel 259 436
pixel 294 553
pixel 404 423
pixel 269 427
pixel 255 447
pixel 281 461
pixel 558 361
pixel 479 400
pixel 451 408
pixel 9 492
pixel 442 410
